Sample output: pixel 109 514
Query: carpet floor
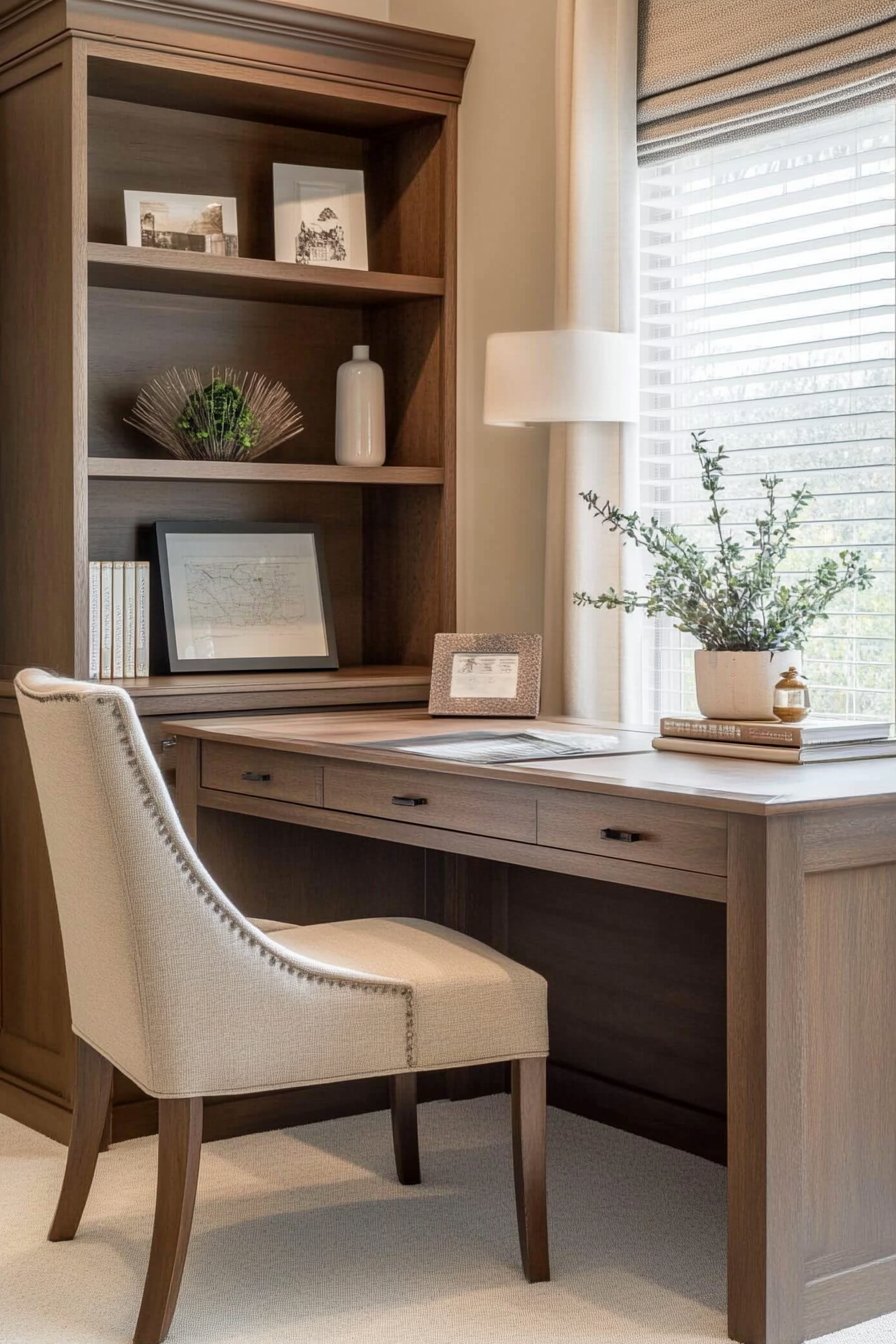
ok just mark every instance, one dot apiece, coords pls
pixel 305 1236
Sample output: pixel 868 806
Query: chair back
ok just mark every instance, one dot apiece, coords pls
pixel 166 977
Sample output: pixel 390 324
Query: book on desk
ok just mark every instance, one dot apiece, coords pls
pixel 822 739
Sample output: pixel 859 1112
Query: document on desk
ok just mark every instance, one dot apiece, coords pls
pixel 484 748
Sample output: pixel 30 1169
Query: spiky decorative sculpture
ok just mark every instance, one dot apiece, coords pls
pixel 234 418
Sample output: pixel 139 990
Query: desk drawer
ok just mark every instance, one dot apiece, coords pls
pixel 264 774
pixel 689 838
pixel 452 802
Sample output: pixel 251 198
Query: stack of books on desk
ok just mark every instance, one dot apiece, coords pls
pixel 818 739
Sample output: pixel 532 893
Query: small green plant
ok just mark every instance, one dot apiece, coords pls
pixel 218 413
pixel 731 597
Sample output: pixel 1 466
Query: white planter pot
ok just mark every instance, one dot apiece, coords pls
pixel 739 685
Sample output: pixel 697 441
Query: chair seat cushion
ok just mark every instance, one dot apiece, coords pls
pixel 471 1003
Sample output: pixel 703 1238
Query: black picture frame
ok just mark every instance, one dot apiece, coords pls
pixel 163 530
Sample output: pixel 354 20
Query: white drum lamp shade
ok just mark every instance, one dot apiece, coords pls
pixel 550 377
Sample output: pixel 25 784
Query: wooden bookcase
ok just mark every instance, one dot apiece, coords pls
pixel 97 97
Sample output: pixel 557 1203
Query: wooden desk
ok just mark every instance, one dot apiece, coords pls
pixel 803 856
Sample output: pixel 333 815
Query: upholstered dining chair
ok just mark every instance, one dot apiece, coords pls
pixel 170 983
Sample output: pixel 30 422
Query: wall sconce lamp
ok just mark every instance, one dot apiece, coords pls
pixel 552 377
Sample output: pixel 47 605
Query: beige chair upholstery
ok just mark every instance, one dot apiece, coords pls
pixel 172 984
pixel 187 996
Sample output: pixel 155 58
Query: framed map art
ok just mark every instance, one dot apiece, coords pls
pixel 242 597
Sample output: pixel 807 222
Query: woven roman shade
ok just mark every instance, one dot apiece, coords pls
pixel 716 70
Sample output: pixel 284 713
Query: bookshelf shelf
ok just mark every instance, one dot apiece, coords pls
pixel 173 469
pixel 111 266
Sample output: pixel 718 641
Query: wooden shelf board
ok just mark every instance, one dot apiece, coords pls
pixel 209 683
pixel 242 692
pixel 173 469
pixel 111 266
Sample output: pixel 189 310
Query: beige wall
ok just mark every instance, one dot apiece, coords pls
pixel 363 9
pixel 506 235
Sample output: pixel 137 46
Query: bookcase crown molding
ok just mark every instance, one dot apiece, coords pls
pixel 305 40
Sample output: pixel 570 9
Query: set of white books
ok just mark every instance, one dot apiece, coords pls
pixel 119 619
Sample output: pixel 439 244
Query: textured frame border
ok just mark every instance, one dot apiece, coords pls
pixel 524 705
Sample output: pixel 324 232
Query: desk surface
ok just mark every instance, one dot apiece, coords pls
pixel 730 784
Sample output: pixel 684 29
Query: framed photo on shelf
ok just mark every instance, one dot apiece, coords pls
pixel 319 216
pixel 490 676
pixel 179 222
pixel 245 597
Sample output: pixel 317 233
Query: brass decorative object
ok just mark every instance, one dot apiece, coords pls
pixel 791 703
pixel 235 417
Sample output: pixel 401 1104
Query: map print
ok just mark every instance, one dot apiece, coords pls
pixel 245 594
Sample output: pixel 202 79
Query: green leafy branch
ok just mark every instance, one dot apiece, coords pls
pixel 731 597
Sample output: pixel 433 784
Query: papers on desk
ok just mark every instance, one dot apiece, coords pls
pixel 484 748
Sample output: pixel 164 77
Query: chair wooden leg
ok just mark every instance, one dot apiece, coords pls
pixel 180 1145
pixel 93 1088
pixel 529 1150
pixel 403 1102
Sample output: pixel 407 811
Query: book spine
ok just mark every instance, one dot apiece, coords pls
pixel 743 750
pixel 106 620
pixel 130 617
pixel 141 655
pixel 93 664
pixel 720 730
pixel 118 618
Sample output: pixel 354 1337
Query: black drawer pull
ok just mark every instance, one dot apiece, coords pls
pixel 255 778
pixel 628 837
pixel 407 800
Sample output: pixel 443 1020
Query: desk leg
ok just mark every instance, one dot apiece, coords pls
pixel 187 785
pixel 766 988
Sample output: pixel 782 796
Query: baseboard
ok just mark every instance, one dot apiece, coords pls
pixel 52 1118
pixel 652 1117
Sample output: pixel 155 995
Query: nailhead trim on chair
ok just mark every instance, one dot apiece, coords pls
pixel 209 898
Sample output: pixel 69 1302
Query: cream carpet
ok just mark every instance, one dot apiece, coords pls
pixel 305 1236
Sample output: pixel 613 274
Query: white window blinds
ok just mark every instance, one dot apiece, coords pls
pixel 768 320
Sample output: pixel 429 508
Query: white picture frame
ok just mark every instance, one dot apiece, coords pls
pixel 176 221
pixel 319 216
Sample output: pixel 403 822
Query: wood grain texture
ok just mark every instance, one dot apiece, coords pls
pixel 40 361
pixel 93 1090
pixel 180 1147
pixel 733 786
pixel 280 776
pixel 636 985
pixel 463 805
pixel 173 469
pixel 405 1142
pixel 676 837
pixel 219 88
pixel 122 516
pixel 699 886
pixel 766 1072
pixel 159 272
pixel 137 336
pixel 187 787
pixel 254 32
pixel 36 1044
pixel 850 1104
pixel 529 1112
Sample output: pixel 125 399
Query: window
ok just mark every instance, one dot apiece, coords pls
pixel 768 320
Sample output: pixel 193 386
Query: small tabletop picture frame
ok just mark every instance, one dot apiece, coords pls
pixel 486 676
pixel 245 597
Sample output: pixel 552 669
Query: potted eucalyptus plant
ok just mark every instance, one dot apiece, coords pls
pixel 750 623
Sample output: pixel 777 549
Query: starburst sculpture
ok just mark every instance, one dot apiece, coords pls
pixel 235 417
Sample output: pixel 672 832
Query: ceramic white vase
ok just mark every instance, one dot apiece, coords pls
pixel 360 412
pixel 739 685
